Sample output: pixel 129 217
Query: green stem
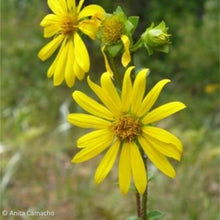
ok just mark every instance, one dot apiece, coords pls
pixel 145 195
pixel 114 69
pixel 138 202
pixel 137 45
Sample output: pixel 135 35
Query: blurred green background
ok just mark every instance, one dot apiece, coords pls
pixel 37 143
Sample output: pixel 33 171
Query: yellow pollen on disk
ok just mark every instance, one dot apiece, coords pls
pixel 68 25
pixel 126 128
pixel 112 29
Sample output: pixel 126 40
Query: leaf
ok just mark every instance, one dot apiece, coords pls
pixel 153 215
pixel 150 176
pixel 114 49
pixel 133 218
pixel 134 20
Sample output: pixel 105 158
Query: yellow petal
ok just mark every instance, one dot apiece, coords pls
pixel 50 48
pixel 52 68
pixel 89 27
pixel 111 92
pixel 151 97
pixel 163 111
pixel 61 65
pixel 126 57
pixel 90 152
pixel 80 5
pixel 107 163
pixel 78 71
pixel 71 4
pixel 51 30
pixel 93 138
pixel 103 97
pixel 90 10
pixel 107 66
pixel 56 6
pixel 125 168
pixel 138 90
pixel 91 106
pixel 164 136
pixel 81 53
pixel 138 169
pixel 166 149
pixel 69 73
pixel 157 158
pixel 87 121
pixel 126 90
pixel 49 19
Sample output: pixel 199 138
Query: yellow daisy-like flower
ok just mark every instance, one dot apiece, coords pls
pixel 124 124
pixel 112 32
pixel 72 60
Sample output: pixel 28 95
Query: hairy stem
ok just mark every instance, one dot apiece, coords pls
pixel 145 195
pixel 114 69
pixel 138 203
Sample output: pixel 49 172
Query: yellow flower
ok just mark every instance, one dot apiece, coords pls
pixel 72 60
pixel 123 123
pixel 112 33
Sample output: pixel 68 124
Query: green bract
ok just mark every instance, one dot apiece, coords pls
pixel 156 38
pixel 113 27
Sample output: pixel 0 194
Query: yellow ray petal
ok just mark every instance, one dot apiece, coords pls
pixel 107 66
pixel 56 7
pixel 90 152
pixel 110 91
pixel 126 90
pixel 124 169
pixel 164 136
pixel 52 68
pixel 93 138
pixel 157 158
pixel 163 111
pixel 49 19
pixel 103 97
pixel 168 150
pixel 71 4
pixel 89 27
pixel 151 97
pixel 87 121
pixel 138 90
pixel 61 65
pixel 107 162
pixel 78 8
pixel 91 106
pixel 51 30
pixel 69 73
pixel 126 57
pixel 81 53
pixel 78 71
pixel 138 169
pixel 90 10
pixel 50 48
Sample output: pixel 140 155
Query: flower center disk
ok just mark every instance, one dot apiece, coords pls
pixel 126 128
pixel 68 25
pixel 111 29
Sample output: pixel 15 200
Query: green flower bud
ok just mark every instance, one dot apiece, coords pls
pixel 156 38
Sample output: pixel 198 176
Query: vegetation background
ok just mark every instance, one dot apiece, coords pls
pixel 37 143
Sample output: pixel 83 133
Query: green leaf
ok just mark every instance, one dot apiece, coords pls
pixel 128 27
pixel 150 176
pixel 134 20
pixel 133 218
pixel 114 49
pixel 153 215
pixel 118 10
